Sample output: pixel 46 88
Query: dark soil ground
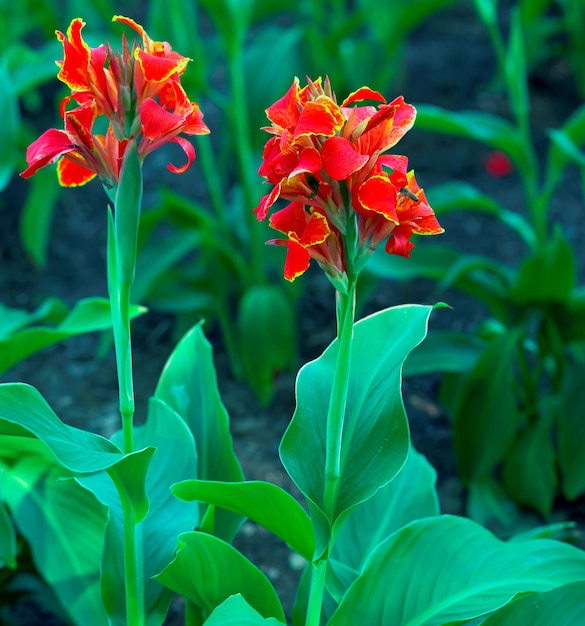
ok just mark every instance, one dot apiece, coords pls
pixel 448 63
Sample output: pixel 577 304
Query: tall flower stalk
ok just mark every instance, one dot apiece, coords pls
pixel 345 196
pixel 137 92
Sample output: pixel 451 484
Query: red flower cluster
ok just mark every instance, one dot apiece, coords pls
pixel 138 91
pixel 345 195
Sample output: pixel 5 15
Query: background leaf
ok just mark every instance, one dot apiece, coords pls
pixel 486 416
pixel 188 385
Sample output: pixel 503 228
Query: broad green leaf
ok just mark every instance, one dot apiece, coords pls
pixel 486 416
pixel 267 337
pixel 88 315
pixel 207 571
pixel 563 606
pixel 375 434
pixel 485 128
pixel 444 351
pixel 188 385
pixel 174 459
pixel 64 526
pixel 411 495
pixel 77 450
pixel 530 471
pixel 570 432
pixel 443 569
pixel 235 611
pixel 548 275
pixel 37 216
pixel 264 503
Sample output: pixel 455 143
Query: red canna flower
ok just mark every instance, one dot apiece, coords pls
pixel 328 161
pixel 139 93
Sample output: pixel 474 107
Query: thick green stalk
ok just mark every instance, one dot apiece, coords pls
pixel 316 592
pixel 345 306
pixel 120 303
pixel 336 414
pixel 122 250
pixel 240 121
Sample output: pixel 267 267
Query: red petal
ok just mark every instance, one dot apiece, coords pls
pixel 156 121
pixel 340 158
pixel 291 219
pixel 319 117
pixel 72 174
pixel 51 145
pixel 309 163
pixel 363 93
pixel 297 260
pixel 157 69
pixel 317 230
pixel 266 202
pixel 76 56
pixel 398 242
pixel 395 162
pixel 378 194
pixel 285 111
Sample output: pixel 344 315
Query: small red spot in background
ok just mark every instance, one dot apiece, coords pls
pixel 498 164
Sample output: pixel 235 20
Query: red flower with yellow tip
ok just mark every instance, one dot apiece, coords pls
pixel 328 160
pixel 138 91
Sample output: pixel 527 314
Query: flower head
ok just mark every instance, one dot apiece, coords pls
pixel 329 161
pixel 136 89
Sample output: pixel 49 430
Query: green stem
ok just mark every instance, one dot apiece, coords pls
pixel 240 121
pixel 316 593
pixel 120 303
pixel 345 307
pixel 132 568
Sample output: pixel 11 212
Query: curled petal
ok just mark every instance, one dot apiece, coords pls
pixel 310 229
pixel 135 26
pixel 51 145
pixel 340 158
pixel 72 174
pixel 189 150
pixel 363 93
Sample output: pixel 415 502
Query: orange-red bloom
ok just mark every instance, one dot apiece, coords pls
pixel 139 93
pixel 327 159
